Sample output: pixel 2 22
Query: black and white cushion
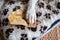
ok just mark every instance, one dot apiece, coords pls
pixel 47 13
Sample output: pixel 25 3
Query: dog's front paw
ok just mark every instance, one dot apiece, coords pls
pixel 31 16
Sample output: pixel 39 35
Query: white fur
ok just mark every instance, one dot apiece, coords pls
pixel 31 13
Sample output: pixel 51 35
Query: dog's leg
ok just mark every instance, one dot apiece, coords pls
pixel 31 13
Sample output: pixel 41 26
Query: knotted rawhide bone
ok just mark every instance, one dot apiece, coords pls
pixel 16 18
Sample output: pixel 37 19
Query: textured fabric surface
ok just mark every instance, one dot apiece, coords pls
pixel 53 35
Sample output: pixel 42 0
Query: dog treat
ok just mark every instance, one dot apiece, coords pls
pixel 15 18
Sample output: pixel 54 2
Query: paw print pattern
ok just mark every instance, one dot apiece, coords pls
pixel 38 14
pixel 43 28
pixel 47 16
pixel 55 12
pixel 5 11
pixel 41 4
pixel 24 35
pixel 17 7
pixel 32 29
pixel 48 7
pixel 8 31
pixel 5 22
